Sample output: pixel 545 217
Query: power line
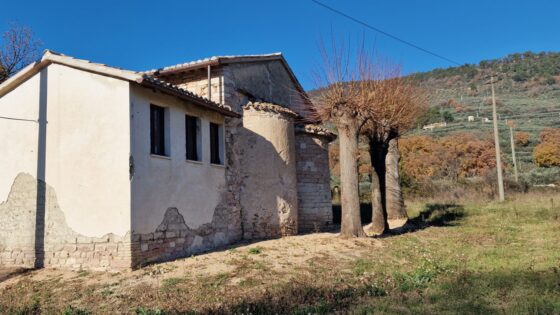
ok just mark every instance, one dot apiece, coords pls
pixel 18 119
pixel 385 33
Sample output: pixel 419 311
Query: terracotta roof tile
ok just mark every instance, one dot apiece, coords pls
pixel 268 107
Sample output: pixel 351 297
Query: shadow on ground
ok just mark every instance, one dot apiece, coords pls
pixel 433 214
pixel 8 273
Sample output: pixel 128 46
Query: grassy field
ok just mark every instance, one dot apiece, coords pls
pixel 466 258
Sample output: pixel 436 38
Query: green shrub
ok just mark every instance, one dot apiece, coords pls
pixel 543 176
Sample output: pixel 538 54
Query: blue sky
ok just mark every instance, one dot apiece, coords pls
pixel 143 34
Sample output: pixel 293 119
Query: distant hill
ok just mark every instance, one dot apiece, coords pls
pixel 527 88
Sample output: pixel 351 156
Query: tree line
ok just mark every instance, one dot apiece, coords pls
pixel 519 67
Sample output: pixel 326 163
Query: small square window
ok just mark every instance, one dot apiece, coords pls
pixel 192 132
pixel 216 144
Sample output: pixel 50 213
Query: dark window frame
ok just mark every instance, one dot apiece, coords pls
pixel 192 133
pixel 157 130
pixel 215 143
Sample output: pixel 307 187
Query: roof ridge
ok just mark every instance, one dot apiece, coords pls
pixel 212 58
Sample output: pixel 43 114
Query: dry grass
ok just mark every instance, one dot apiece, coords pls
pixel 462 258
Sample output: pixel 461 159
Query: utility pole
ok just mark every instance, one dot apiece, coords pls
pixel 497 143
pixel 510 124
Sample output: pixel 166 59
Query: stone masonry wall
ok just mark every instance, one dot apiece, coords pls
pixel 266 81
pixel 269 194
pixel 196 81
pixel 314 194
pixel 59 245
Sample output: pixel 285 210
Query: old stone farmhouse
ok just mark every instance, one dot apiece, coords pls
pixel 104 168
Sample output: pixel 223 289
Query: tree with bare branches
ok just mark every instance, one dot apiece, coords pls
pixel 392 105
pixel 370 98
pixel 17 49
pixel 339 105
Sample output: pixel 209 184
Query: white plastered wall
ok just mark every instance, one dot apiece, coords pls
pixel 87 145
pixel 194 188
pixel 88 148
pixel 19 112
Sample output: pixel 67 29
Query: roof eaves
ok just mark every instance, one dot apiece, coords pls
pixel 24 74
pixel 152 82
pixel 127 75
pixel 87 65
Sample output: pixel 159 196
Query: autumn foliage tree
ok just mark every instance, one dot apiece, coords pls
pixel 18 48
pixel 522 138
pixel 451 157
pixel 547 152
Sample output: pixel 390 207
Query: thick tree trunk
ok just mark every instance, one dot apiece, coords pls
pixel 394 202
pixel 351 223
pixel 378 222
pixel 377 153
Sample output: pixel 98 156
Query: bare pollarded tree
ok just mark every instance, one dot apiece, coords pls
pixel 18 48
pixel 368 97
pixel 338 103
pixel 391 110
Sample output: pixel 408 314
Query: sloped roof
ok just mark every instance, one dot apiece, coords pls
pixel 222 60
pixel 216 60
pixel 143 79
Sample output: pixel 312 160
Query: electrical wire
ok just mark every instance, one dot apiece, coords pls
pixel 376 29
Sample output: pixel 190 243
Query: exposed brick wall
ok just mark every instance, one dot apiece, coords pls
pixel 175 239
pixel 60 246
pixel 314 194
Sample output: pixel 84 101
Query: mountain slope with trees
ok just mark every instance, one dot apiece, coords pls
pixel 528 95
pixel 528 91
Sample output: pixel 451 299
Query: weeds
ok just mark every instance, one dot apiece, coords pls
pixel 83 273
pixel 362 266
pixel 106 292
pixel 70 310
pixel 255 250
pixel 169 283
pixel 148 311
